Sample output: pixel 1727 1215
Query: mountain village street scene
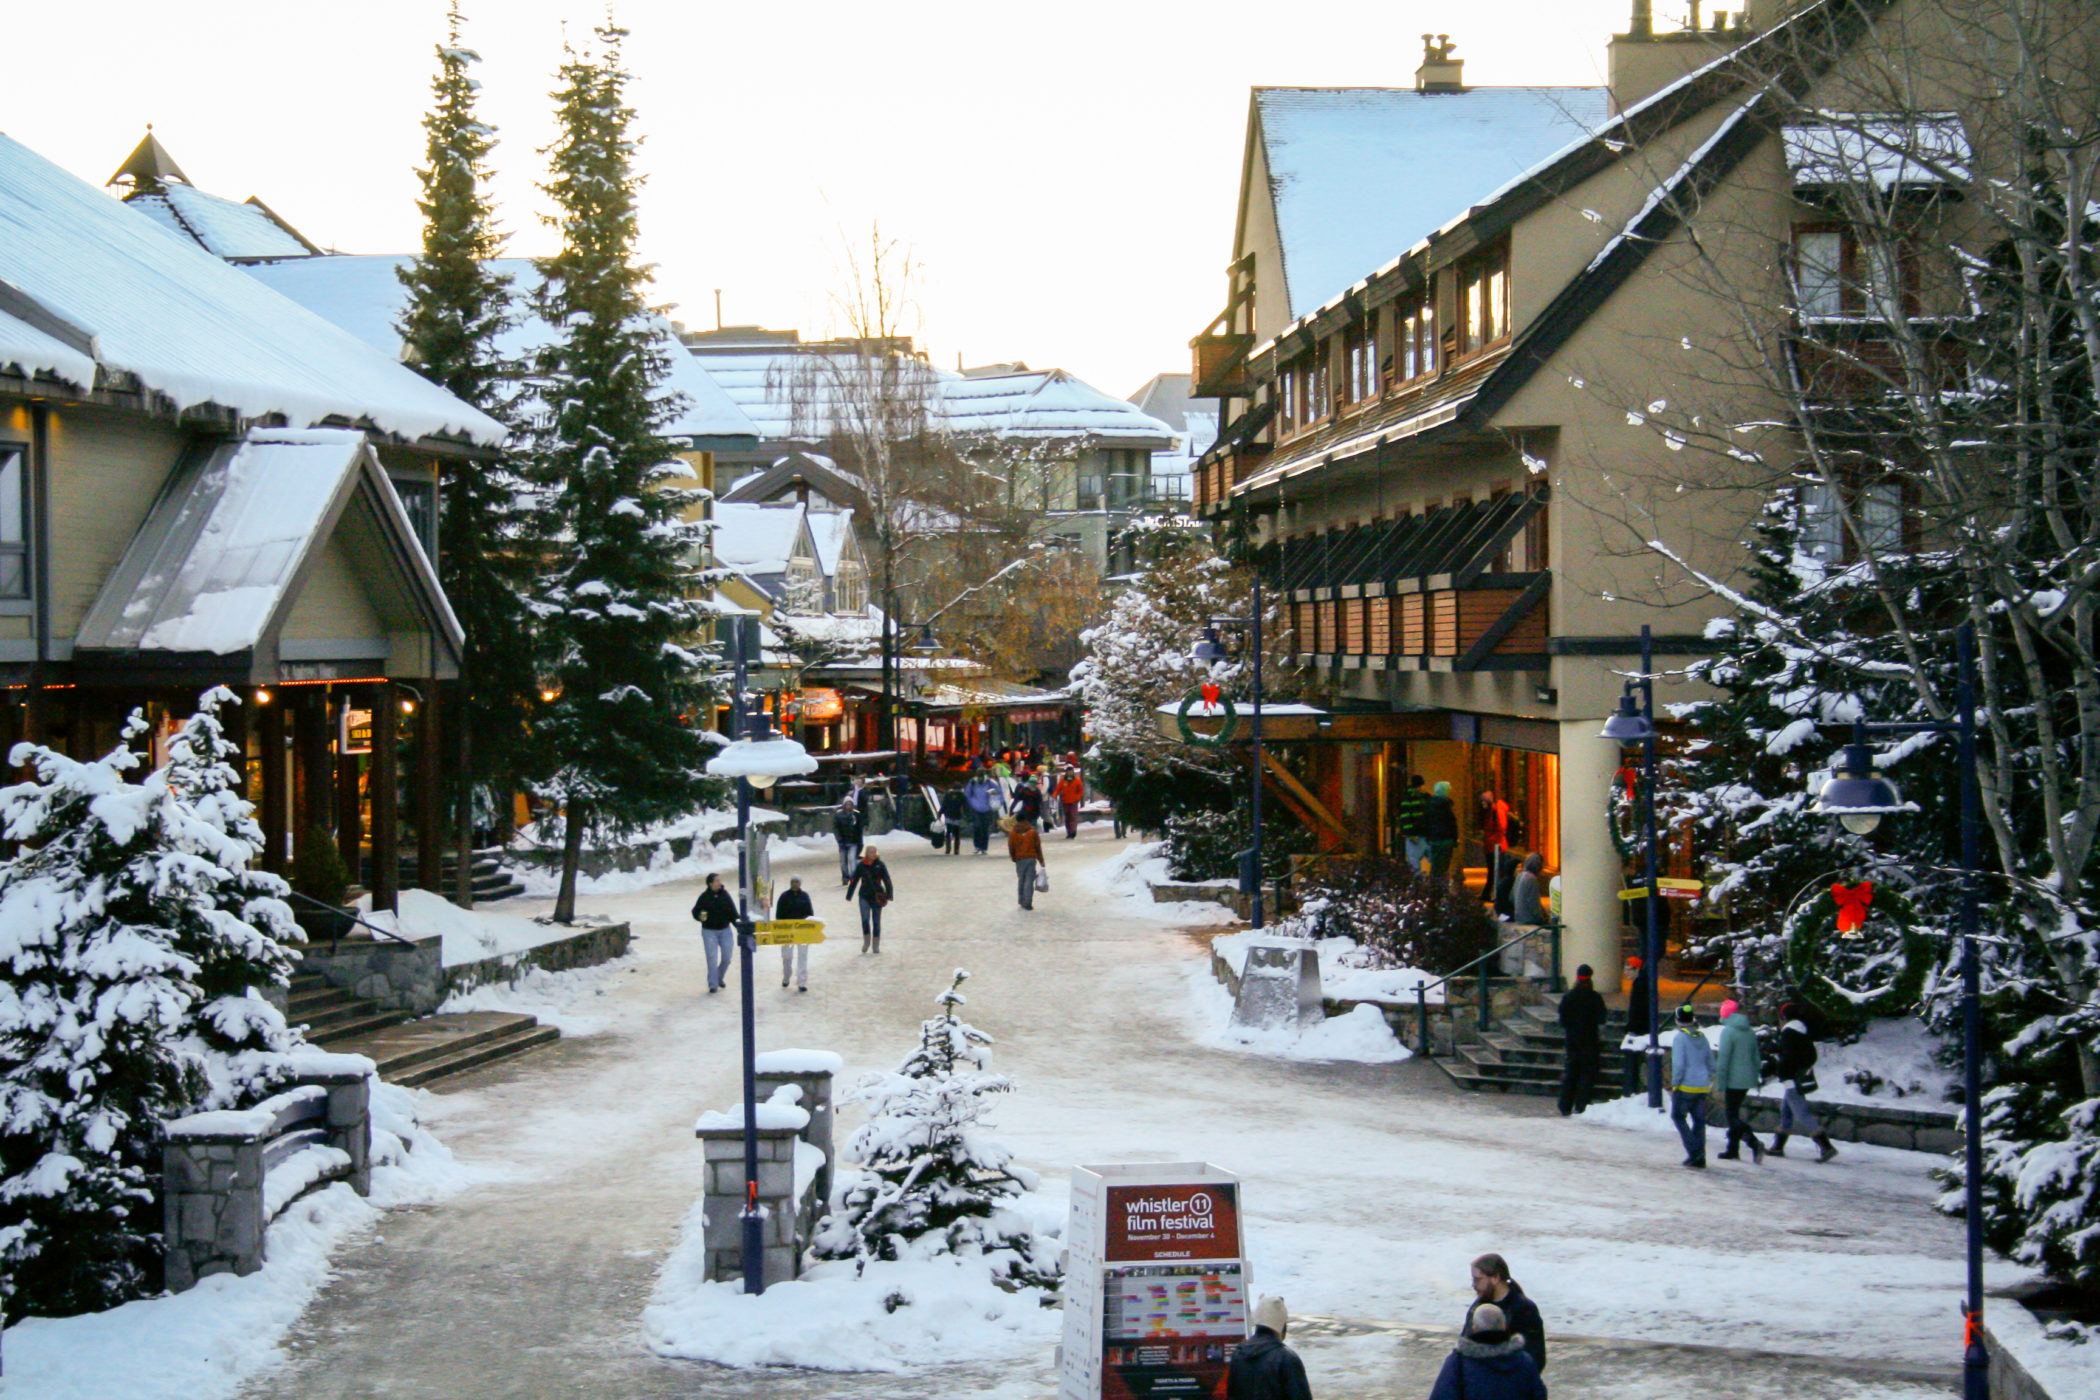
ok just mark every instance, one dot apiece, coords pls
pixel 1411 710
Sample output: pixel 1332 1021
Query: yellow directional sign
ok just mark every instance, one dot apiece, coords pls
pixel 1669 888
pixel 773 932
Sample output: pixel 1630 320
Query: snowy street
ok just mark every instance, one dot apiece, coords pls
pixel 1368 1188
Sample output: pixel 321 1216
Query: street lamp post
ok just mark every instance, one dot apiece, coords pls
pixel 1859 798
pixel 1637 726
pixel 756 759
pixel 1211 651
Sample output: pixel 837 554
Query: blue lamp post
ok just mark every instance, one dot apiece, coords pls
pixel 1210 651
pixel 1629 726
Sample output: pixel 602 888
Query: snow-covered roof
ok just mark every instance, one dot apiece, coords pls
pixel 1928 148
pixel 833 531
pixel 757 539
pixel 218 225
pixel 88 283
pixel 362 294
pixel 766 381
pixel 1045 404
pixel 218 560
pixel 1356 174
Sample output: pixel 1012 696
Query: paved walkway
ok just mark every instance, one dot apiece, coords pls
pixel 1367 1187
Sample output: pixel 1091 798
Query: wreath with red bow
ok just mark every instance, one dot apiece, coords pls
pixel 1854 950
pixel 1210 697
pixel 1623 810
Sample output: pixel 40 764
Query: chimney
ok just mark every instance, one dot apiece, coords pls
pixel 1643 25
pixel 1440 72
pixel 1643 62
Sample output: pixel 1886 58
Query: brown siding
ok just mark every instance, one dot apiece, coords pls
pixel 1528 637
pixel 1443 623
pixel 1381 639
pixel 1414 628
pixel 1330 619
pixel 1352 627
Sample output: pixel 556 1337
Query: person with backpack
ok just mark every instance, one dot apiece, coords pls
pixel 1797 1071
pixel 794 957
pixel 871 881
pixel 1028 800
pixel 1735 1076
pixel 1691 1085
pixel 952 809
pixel 1262 1367
pixel 1489 1363
pixel 1414 810
pixel 715 911
pixel 846 828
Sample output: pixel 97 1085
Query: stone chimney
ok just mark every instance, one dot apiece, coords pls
pixel 1440 72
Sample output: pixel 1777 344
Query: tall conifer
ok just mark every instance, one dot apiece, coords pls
pixel 621 744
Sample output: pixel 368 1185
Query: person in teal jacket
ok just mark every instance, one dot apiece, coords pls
pixel 1740 1070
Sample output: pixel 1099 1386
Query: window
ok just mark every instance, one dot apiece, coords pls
pixel 1841 273
pixel 1877 509
pixel 1483 299
pixel 14 521
pixel 1360 360
pixel 1090 486
pixel 419 499
pixel 849 588
pixel 1415 355
pixel 1304 384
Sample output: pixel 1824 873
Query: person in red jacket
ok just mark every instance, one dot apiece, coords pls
pixel 1071 791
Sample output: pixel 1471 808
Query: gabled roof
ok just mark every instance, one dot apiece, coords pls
pixel 235 232
pixel 90 288
pixel 1165 397
pixel 363 294
pixel 218 563
pixel 833 532
pixel 1356 174
pixel 834 482
pixel 760 539
pixel 1046 404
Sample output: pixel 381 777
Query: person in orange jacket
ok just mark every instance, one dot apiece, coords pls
pixel 1071 791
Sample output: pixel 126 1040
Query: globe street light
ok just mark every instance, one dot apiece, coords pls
pixel 757 759
pixel 1629 726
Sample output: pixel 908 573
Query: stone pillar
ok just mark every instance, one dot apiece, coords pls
pixel 212 1211
pixel 1591 871
pixel 723 1203
pixel 816 1098
pixel 350 1121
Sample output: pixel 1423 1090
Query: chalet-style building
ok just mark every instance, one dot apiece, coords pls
pixel 1451 314
pixel 202 483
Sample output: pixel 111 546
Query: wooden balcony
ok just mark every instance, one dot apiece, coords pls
pixel 1219 366
pixel 1216 478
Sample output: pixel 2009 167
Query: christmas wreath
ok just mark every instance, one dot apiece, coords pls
pixel 1854 949
pixel 1623 809
pixel 1212 698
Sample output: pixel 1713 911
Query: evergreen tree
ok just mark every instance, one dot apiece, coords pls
pixel 96 995
pixel 622 743
pixel 240 943
pixel 932 1182
pixel 458 309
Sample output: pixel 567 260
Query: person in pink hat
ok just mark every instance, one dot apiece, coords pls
pixel 1739 1070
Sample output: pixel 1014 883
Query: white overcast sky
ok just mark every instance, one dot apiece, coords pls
pixel 1066 173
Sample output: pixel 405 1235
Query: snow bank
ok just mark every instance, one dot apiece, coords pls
pixel 1897 1051
pixel 2062 1367
pixel 893 1316
pixel 1130 876
pixel 553 997
pixel 1346 973
pixel 782 1110
pixel 205 1344
pixel 470 935
pixel 1362 1036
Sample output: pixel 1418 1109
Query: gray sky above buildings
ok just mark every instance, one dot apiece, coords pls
pixel 1066 174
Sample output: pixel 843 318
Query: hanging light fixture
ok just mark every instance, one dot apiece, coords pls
pixel 1858 796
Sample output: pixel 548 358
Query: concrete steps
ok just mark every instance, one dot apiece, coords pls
pixel 408 1051
pixel 1524 1052
pixel 490 878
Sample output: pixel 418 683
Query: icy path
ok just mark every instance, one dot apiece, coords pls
pixel 1368 1187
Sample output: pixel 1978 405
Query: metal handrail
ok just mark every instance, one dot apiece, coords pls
pixel 1551 929
pixel 339 909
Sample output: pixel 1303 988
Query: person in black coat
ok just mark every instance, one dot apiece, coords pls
pixel 871 882
pixel 1581 1023
pixel 794 904
pixel 1636 1025
pixel 1027 803
pixel 1489 1363
pixel 1493 1285
pixel 715 911
pixel 1262 1367
pixel 952 819
pixel 846 828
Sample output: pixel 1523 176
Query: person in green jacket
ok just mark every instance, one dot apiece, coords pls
pixel 1740 1070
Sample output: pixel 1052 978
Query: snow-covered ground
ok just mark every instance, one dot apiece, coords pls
pixel 704 857
pixel 469 935
pixel 564 1000
pixel 1361 1035
pixel 1347 972
pixel 1128 877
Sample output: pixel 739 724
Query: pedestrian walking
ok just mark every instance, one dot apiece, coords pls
pixel 1493 1285
pixel 1736 1073
pixel 1024 843
pixel 715 910
pixel 1071 793
pixel 1440 830
pixel 1797 1071
pixel 1027 802
pixel 1414 810
pixel 952 810
pixel 1691 1086
pixel 1490 1362
pixel 1262 1367
pixel 1581 1023
pixel 794 957
pixel 1053 805
pixel 871 882
pixel 981 794
pixel 846 828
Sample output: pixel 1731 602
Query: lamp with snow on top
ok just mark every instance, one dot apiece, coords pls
pixel 763 757
pixel 1858 796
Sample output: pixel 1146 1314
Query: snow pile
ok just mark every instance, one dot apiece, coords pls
pixel 1362 1036
pixel 205 1344
pixel 469 934
pixel 550 996
pixel 782 1110
pixel 1131 875
pixel 1891 1066
pixel 1348 971
pixel 2058 1364
pixel 889 1316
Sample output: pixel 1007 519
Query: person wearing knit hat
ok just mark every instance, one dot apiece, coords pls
pixel 1262 1367
pixel 1691 1085
pixel 1581 1025
pixel 1738 1072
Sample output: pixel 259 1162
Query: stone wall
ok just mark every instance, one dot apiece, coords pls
pixel 412 977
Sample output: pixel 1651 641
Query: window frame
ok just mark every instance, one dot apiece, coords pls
pixel 1834 545
pixel 1488 322
pixel 23 603
pixel 1855 294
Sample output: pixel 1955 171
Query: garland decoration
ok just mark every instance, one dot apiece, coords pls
pixel 1854 950
pixel 1210 697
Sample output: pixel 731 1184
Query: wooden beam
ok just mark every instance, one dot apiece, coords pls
pixel 349 803
pixel 386 801
pixel 276 797
pixel 1483 645
pixel 1300 797
pixel 430 807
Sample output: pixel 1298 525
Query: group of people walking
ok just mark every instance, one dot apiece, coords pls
pixel 1699 1069
pixel 1500 1355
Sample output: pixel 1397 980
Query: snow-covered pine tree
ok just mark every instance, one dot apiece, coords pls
pixel 458 307
pixel 93 1005
pixel 241 944
pixel 621 746
pixel 932 1182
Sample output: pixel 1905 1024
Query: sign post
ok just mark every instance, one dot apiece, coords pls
pixel 771 933
pixel 1156 1283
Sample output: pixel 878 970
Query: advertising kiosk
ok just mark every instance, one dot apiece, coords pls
pixel 1156 1283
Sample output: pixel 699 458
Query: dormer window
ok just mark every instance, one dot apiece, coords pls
pixel 1359 364
pixel 1414 354
pixel 1483 298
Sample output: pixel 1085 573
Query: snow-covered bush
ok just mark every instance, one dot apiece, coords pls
pixel 1399 916
pixel 1205 844
pixel 931 1181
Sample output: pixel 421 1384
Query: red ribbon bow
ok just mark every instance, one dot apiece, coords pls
pixel 1632 781
pixel 1210 695
pixel 1852 902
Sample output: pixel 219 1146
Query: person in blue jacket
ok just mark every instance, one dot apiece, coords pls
pixel 1489 1363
